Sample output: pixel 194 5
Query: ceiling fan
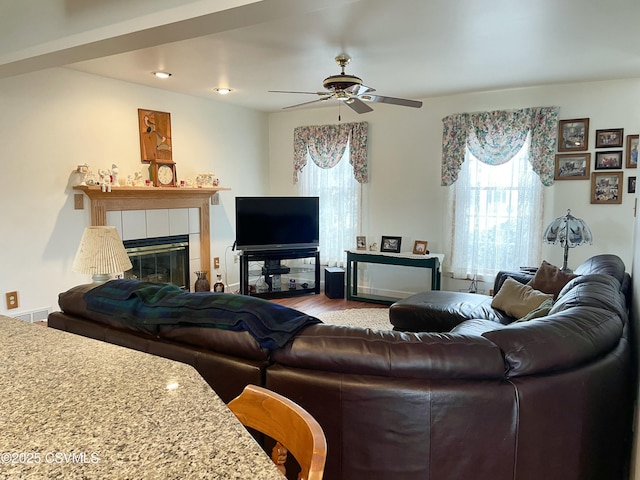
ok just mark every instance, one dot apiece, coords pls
pixel 350 90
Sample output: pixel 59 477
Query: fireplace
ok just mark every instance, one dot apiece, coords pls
pixel 160 260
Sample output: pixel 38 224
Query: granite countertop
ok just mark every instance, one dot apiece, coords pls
pixel 77 408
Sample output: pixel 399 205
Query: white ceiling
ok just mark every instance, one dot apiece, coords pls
pixel 403 48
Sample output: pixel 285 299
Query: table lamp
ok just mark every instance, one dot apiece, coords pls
pixel 570 232
pixel 101 253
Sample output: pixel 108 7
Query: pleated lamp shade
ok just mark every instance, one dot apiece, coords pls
pixel 101 253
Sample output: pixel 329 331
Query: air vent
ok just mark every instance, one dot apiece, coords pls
pixel 38 315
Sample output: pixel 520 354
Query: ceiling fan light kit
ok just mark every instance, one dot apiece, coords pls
pixel 350 90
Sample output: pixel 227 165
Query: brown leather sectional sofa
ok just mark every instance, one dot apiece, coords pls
pixel 550 398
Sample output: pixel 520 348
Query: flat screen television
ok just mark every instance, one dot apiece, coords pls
pixel 277 223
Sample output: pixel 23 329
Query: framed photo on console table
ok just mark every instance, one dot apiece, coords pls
pixel 606 188
pixel 390 244
pixel 420 247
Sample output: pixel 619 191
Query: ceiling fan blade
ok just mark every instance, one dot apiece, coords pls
pixel 307 103
pixel 358 105
pixel 359 89
pixel 305 93
pixel 395 101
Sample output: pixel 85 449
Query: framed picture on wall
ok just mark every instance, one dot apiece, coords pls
pixel 632 151
pixel 573 135
pixel 155 136
pixel 390 244
pixel 609 160
pixel 631 185
pixel 606 188
pixel 572 166
pixel 611 137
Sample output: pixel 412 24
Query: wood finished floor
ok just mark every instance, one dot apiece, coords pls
pixel 316 304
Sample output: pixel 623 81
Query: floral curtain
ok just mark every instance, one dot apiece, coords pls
pixel 326 144
pixel 496 137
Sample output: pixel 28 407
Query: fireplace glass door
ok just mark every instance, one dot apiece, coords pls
pixel 160 260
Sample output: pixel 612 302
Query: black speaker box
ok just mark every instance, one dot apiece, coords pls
pixel 334 282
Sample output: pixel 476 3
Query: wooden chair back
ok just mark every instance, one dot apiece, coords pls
pixel 286 422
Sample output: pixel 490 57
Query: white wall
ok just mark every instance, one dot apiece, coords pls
pixel 53 120
pixel 404 196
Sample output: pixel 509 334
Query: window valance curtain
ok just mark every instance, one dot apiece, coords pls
pixel 326 144
pixel 496 137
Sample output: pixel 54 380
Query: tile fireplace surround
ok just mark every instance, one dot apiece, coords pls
pixel 152 200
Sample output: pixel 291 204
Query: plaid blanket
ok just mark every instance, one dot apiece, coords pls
pixel 146 305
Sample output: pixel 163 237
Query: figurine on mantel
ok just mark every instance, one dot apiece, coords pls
pixel 90 178
pixel 137 180
pixel 81 173
pixel 105 180
pixel 114 175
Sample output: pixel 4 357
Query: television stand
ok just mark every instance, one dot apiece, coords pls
pixel 263 274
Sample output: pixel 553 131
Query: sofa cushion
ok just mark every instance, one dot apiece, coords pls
pixel 440 311
pixel 502 275
pixel 517 299
pixel 603 264
pixel 362 351
pixel 238 344
pixel 592 290
pixel 550 279
pixel 559 341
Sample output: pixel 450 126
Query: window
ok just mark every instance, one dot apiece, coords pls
pixel 497 217
pixel 339 194
pixel 496 164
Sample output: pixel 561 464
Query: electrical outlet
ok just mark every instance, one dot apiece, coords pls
pixel 235 259
pixel 216 263
pixel 12 300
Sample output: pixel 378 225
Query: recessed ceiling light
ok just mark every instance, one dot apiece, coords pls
pixel 222 90
pixel 162 74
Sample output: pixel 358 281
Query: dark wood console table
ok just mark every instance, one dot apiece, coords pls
pixel 354 257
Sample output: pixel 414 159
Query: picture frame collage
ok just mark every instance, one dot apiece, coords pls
pixel 573 160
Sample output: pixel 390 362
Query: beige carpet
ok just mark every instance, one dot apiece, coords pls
pixel 374 318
